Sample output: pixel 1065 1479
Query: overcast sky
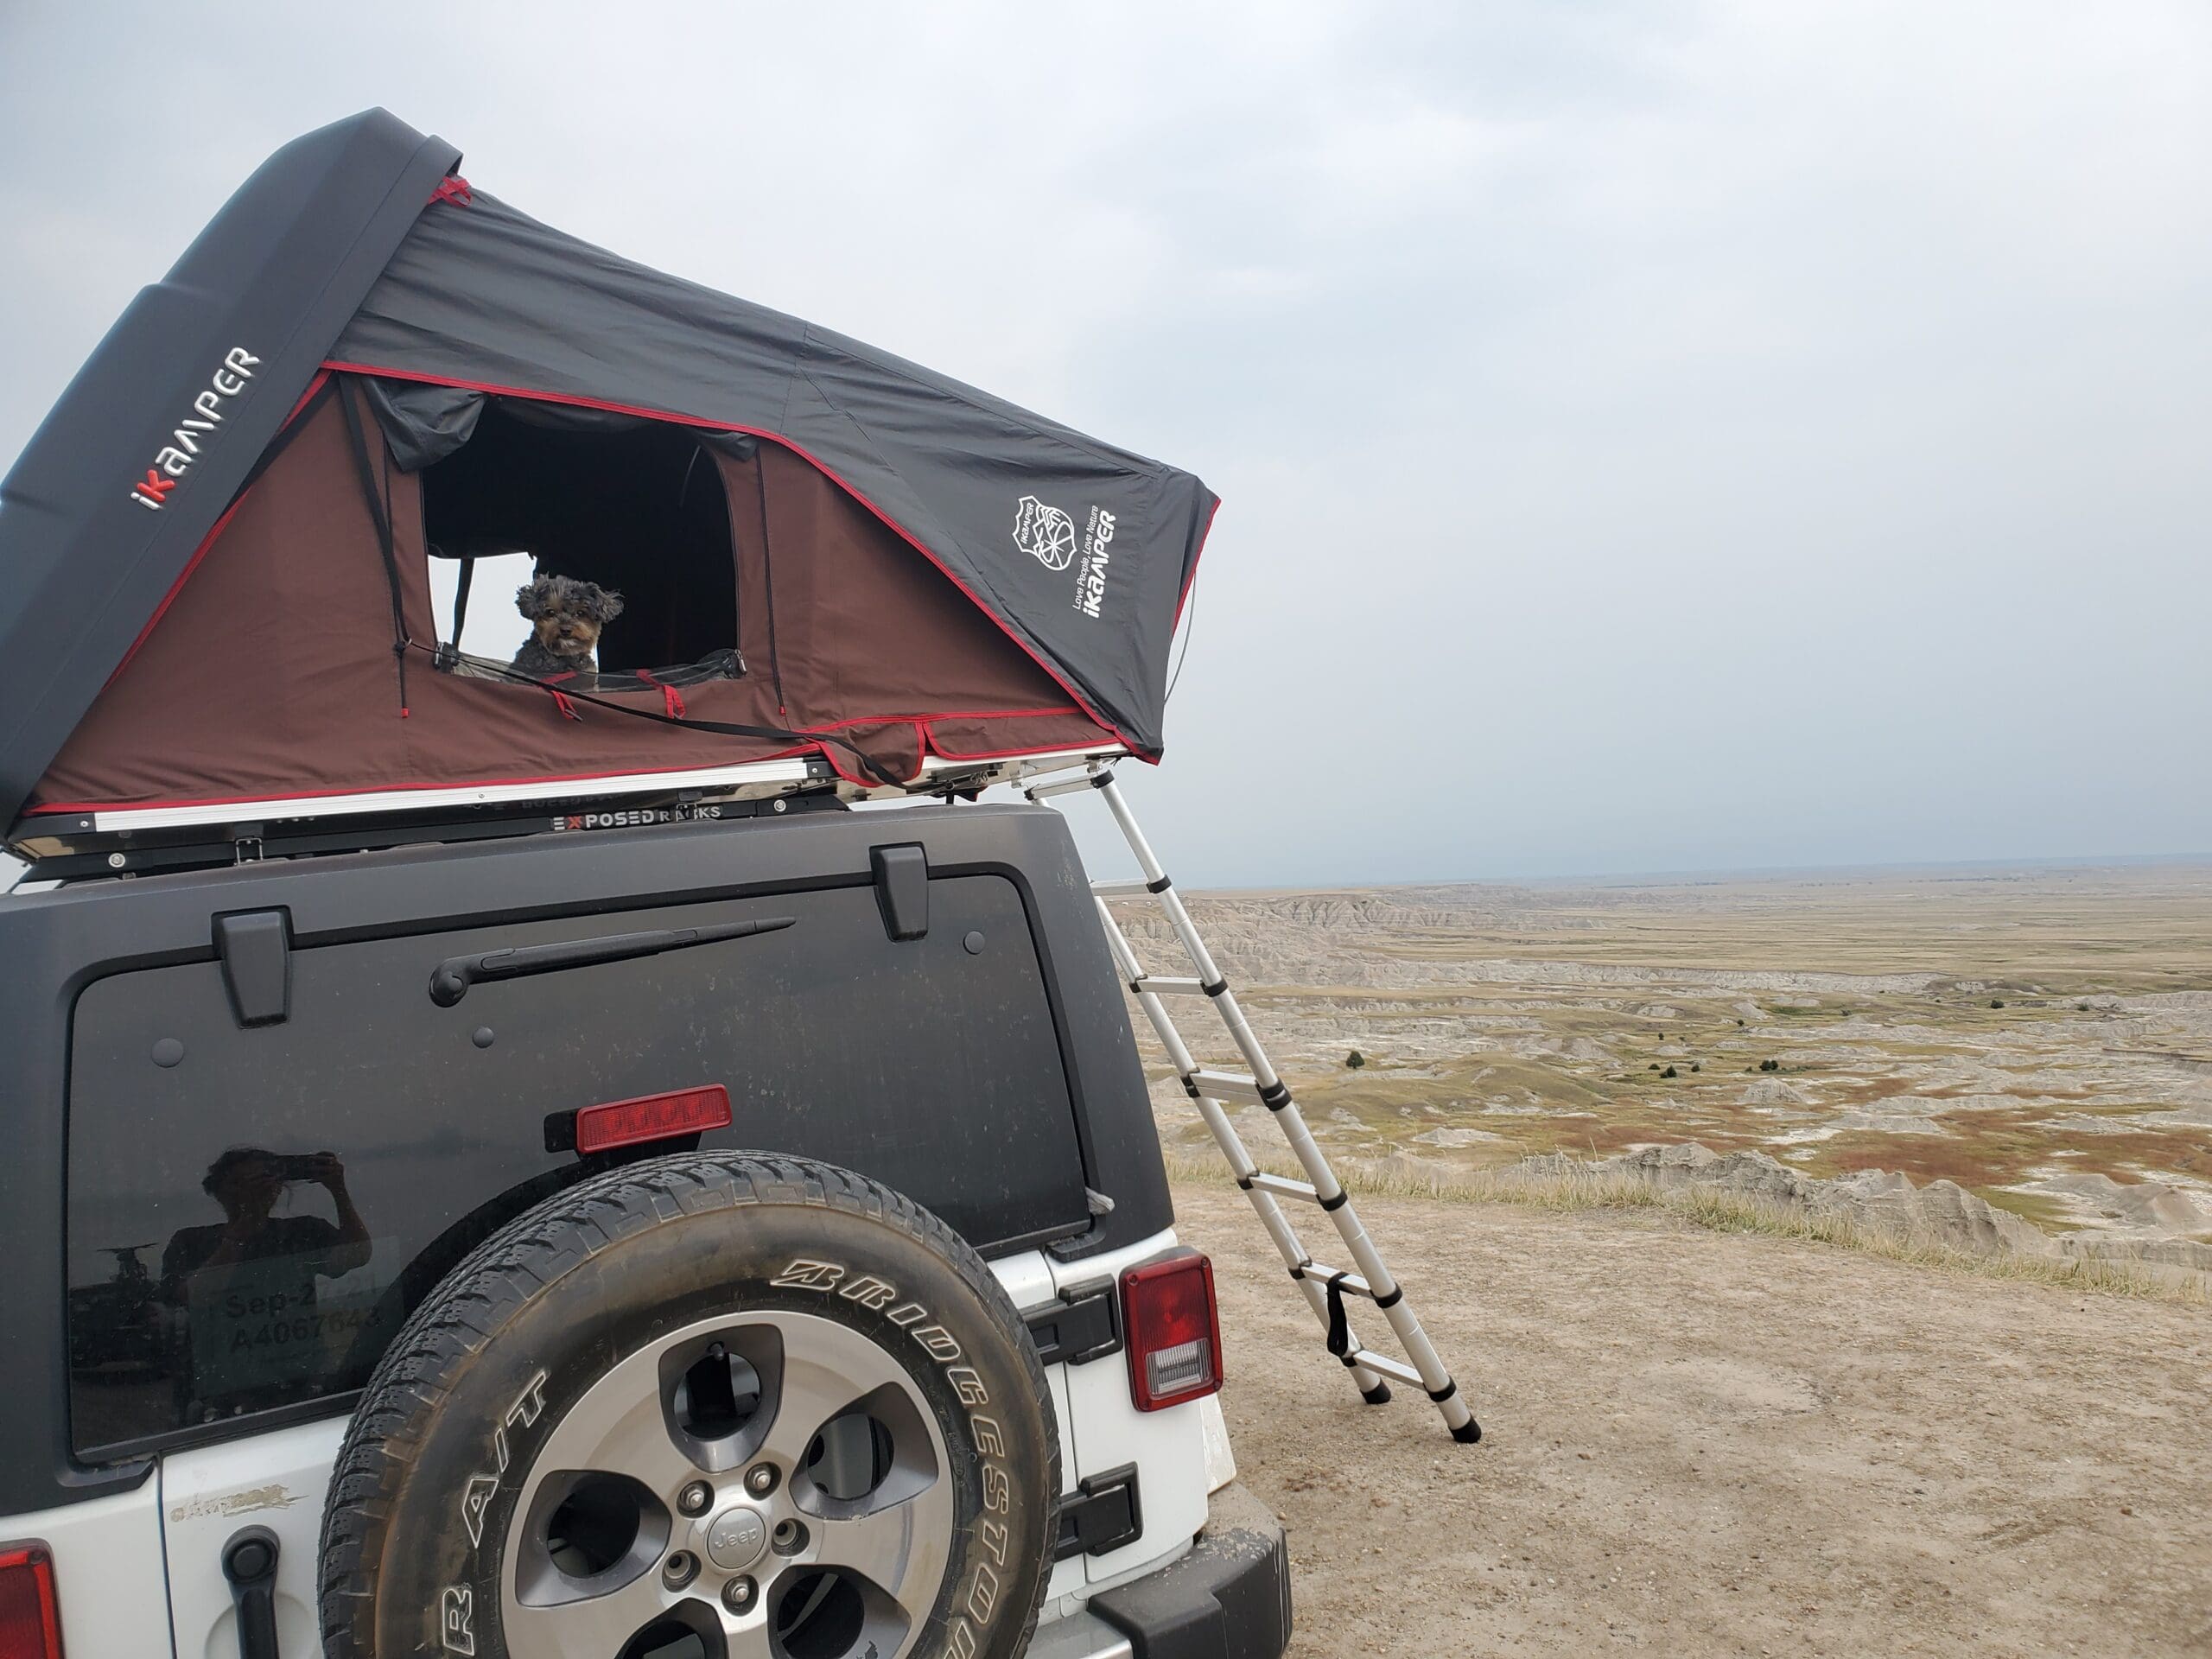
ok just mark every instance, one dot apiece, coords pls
pixel 1651 436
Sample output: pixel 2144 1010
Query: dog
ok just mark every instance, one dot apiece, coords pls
pixel 566 616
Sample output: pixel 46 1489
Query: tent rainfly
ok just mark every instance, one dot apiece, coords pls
pixel 220 542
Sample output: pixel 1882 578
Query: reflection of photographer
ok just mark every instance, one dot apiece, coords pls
pixel 247 1182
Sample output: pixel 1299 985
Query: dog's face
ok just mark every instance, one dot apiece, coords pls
pixel 568 614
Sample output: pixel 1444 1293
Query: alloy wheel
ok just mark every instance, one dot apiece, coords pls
pixel 765 1486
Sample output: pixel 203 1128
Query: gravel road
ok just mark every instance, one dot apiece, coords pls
pixel 1703 1443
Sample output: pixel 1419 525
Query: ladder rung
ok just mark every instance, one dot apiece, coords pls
pixel 1219 1085
pixel 1321 1275
pixel 1068 787
pixel 1160 985
pixel 1134 888
pixel 1383 1365
pixel 1279 1184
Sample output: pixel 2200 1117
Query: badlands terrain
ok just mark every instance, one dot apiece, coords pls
pixel 2040 1038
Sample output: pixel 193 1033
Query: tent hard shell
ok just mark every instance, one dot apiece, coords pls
pixel 221 540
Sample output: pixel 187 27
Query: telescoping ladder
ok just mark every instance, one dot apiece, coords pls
pixel 1324 1287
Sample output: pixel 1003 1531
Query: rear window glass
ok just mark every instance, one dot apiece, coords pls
pixel 251 1221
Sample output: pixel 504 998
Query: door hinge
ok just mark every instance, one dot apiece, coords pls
pixel 1102 1514
pixel 1083 1324
pixel 255 949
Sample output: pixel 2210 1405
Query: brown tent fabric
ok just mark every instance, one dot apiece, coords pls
pixel 270 672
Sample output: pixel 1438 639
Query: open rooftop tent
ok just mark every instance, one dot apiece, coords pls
pixel 221 541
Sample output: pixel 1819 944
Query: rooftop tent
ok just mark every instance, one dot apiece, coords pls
pixel 221 539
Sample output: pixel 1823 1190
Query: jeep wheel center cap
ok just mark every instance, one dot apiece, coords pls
pixel 738 1538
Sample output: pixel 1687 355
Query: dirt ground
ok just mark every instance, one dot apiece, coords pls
pixel 1703 1443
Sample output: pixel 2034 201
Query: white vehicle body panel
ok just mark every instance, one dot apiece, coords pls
pixel 113 1556
pixel 107 1572
pixel 1106 1430
pixel 276 1480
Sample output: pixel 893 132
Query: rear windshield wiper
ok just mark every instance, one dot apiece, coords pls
pixel 450 979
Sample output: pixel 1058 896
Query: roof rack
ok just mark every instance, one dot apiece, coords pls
pixel 142 841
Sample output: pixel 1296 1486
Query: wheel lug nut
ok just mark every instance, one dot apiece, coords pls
pixel 761 1479
pixel 679 1569
pixel 738 1593
pixel 694 1498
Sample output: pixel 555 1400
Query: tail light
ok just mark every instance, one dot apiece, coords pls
pixel 30 1620
pixel 1174 1330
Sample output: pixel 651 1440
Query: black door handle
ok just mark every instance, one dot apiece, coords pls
pixel 450 979
pixel 249 1563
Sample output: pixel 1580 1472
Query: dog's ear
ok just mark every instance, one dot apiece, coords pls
pixel 601 603
pixel 534 598
pixel 610 606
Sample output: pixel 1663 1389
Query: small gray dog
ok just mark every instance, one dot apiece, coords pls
pixel 566 616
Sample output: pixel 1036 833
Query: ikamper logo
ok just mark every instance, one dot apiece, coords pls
pixel 1046 533
pixel 178 456
pixel 1097 554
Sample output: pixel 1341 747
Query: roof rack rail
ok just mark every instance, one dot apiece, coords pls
pixel 142 841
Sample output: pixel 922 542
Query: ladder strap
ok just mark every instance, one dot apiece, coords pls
pixel 1441 1395
pixel 1160 886
pixel 1276 1096
pixel 1342 1198
pixel 1339 1326
pixel 1397 1295
pixel 1219 988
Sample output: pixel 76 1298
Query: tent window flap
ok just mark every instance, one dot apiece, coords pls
pixel 636 507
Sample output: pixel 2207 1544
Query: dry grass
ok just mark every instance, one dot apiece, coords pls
pixel 1563 1185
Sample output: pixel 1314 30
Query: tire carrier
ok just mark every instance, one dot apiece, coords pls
pixel 1324 1287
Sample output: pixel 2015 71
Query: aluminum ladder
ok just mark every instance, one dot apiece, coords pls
pixel 1324 1287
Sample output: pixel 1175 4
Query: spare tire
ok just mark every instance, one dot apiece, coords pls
pixel 715 1405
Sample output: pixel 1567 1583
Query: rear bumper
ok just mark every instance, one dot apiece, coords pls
pixel 1228 1598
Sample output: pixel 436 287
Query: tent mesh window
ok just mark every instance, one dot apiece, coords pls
pixel 639 510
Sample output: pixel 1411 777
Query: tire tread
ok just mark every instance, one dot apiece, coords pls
pixel 464 1312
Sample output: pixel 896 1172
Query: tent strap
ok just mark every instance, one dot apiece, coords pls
pixel 768 581
pixel 461 597
pixel 563 694
pixel 380 513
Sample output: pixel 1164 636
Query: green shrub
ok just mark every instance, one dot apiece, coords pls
pixel 1355 1059
pixel 1670 1072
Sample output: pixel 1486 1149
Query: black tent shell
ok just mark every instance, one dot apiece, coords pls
pixel 358 248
